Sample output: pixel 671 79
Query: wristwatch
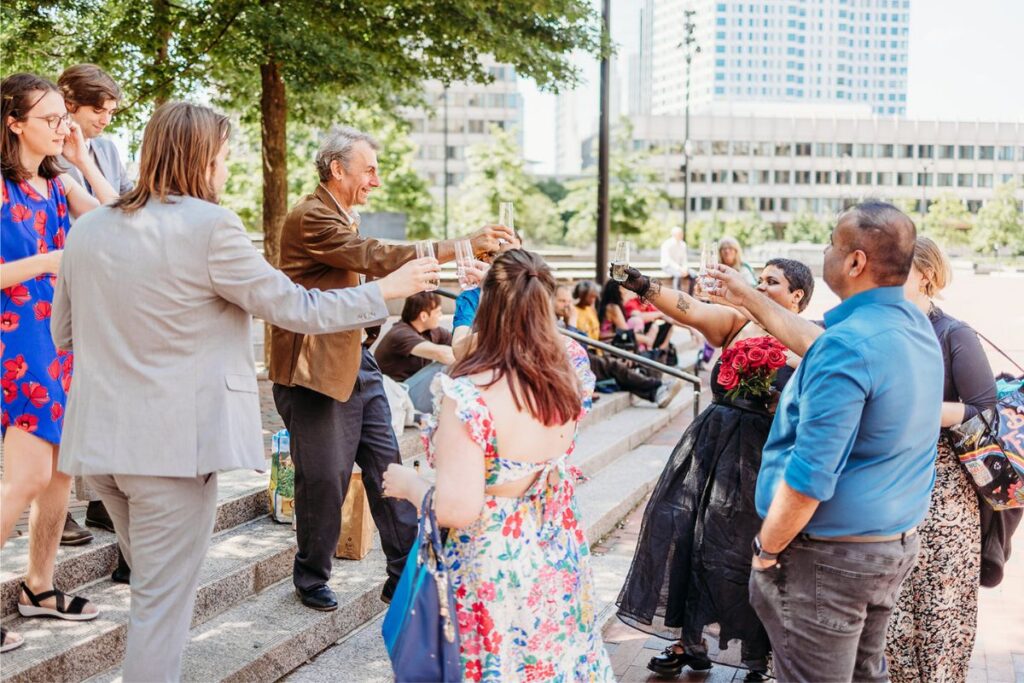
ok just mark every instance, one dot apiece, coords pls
pixel 762 554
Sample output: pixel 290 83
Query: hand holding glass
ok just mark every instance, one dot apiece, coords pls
pixel 708 260
pixel 425 249
pixel 623 252
pixel 464 258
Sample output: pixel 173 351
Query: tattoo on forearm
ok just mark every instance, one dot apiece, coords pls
pixel 682 305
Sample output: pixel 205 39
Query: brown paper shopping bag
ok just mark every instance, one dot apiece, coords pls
pixel 357 528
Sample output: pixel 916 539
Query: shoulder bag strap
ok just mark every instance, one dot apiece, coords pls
pixel 1001 352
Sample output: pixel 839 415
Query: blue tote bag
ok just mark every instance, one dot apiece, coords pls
pixel 419 629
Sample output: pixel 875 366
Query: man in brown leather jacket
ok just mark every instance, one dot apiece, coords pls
pixel 327 387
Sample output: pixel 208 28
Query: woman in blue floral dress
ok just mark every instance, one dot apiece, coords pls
pixel 38 201
pixel 503 430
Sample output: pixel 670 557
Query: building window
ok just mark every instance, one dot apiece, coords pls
pixel 803 149
pixel 783 149
pixel 945 180
pixel 885 151
pixel 698 177
pixel 764 177
pixel 884 178
pixel 974 205
pixel 720 147
pixel 964 179
pixel 823 177
pixel 1006 153
pixel 844 177
pixel 925 151
pixel 740 177
pixel 864 151
pixel 782 177
pixel 905 179
pixel 802 177
pixel 765 204
pixel 863 177
pixel 924 179
pixel 762 149
pixel 984 180
pixel 740 148
pixel 905 151
pixel 966 152
pixel 947 151
pixel 719 176
pixel 844 149
pixel 986 152
pixel 823 149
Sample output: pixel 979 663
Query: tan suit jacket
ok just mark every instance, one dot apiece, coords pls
pixel 157 307
pixel 321 248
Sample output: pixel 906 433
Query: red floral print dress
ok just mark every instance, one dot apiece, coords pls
pixel 521 572
pixel 35 375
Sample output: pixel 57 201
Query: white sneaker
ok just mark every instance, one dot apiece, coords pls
pixel 667 391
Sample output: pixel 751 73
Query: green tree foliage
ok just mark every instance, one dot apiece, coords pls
pixel 633 197
pixel 807 227
pixel 948 221
pixel 1000 224
pixel 274 61
pixel 750 229
pixel 497 173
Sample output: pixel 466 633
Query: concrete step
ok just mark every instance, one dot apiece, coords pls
pixel 241 562
pixel 242 497
pixel 269 634
pixel 605 499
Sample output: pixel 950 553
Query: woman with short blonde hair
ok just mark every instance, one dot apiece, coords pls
pixel 932 627
pixel 731 254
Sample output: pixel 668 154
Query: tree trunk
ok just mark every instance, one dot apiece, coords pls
pixel 162 13
pixel 273 128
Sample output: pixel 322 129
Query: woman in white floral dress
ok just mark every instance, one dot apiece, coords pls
pixel 504 428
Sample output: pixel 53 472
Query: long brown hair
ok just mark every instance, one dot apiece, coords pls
pixel 179 146
pixel 517 339
pixel 19 94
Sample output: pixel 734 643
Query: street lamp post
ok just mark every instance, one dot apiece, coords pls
pixel 603 215
pixel 445 161
pixel 691 48
pixel 924 187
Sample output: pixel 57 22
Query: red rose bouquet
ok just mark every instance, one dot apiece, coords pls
pixel 749 367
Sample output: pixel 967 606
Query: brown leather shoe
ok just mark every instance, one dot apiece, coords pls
pixel 74 534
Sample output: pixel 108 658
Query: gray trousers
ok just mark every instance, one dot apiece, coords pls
pixel 826 607
pixel 163 526
pixel 327 438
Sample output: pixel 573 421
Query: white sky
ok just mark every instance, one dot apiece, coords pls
pixel 966 62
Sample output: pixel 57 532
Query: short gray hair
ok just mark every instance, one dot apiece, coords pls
pixel 337 146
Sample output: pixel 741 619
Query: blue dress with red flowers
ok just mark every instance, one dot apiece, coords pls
pixel 35 375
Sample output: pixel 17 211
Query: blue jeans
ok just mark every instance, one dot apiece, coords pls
pixel 826 607
pixel 419 387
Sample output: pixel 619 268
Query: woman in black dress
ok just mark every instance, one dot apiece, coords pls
pixel 692 561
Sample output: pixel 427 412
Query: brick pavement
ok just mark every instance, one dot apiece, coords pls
pixel 998 652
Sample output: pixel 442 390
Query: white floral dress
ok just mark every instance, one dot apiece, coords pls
pixel 521 572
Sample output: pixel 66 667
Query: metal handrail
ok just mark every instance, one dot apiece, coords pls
pixel 694 380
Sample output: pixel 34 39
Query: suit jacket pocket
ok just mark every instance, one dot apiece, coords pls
pixel 245 383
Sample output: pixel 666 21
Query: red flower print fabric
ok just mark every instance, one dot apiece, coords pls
pixel 35 377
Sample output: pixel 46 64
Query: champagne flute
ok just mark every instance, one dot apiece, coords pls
pixel 425 249
pixel 463 258
pixel 506 215
pixel 623 252
pixel 708 260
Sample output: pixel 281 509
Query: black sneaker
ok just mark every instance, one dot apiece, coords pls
pixel 671 663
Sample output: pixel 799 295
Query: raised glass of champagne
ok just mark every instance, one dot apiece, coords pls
pixel 623 252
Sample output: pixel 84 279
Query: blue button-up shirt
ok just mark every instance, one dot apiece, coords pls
pixel 857 426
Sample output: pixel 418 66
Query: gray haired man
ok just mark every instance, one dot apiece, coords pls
pixel 328 389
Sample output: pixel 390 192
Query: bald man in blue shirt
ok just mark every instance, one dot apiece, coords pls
pixel 848 468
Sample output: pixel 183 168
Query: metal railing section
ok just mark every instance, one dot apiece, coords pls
pixel 691 378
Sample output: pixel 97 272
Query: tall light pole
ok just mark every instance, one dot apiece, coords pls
pixel 603 215
pixel 445 95
pixel 924 187
pixel 689 44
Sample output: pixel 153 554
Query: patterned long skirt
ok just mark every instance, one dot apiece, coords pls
pixel 932 629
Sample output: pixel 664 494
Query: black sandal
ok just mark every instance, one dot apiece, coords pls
pixel 8 642
pixel 69 612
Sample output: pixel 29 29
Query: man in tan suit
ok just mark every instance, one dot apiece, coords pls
pixel 155 297
pixel 328 388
